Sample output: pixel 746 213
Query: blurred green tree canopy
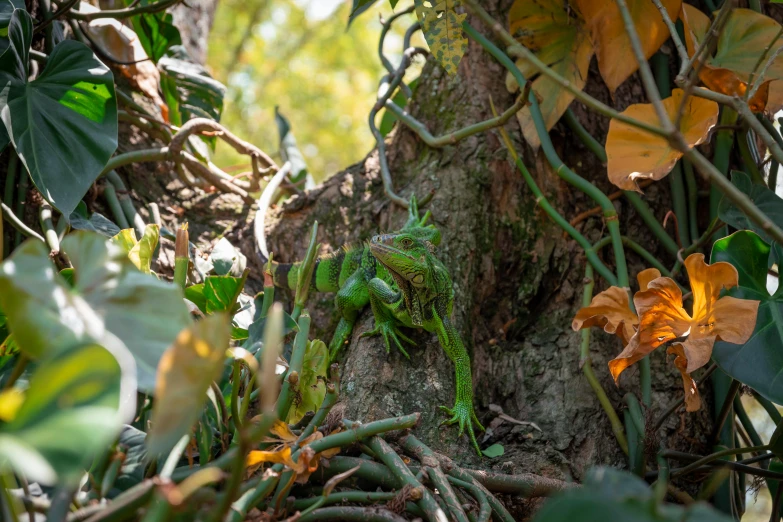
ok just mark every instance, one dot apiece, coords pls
pixel 298 55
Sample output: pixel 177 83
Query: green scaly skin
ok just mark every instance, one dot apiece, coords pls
pixel 397 275
pixel 423 298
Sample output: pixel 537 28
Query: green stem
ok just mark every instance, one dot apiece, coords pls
pixel 124 13
pixel 393 461
pixel 771 409
pixel 586 363
pixel 610 214
pixel 484 509
pixel 726 409
pixel 739 409
pixel 8 197
pixel 660 62
pixel 352 497
pixel 21 228
pixel 635 421
pixel 693 199
pixel 717 455
pixel 128 208
pixel 585 137
pixel 748 160
pixel 351 514
pixel 774 165
pixel 136 156
pixel 114 204
pixel 644 211
pixel 441 482
pixel 451 138
pixel 45 217
pixel 21 201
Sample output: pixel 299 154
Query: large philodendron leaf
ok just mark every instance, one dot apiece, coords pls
pixel 611 494
pixel 759 362
pixel 110 296
pixel 63 124
pixel 71 411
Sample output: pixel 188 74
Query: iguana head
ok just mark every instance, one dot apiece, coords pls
pixel 410 261
pixel 406 255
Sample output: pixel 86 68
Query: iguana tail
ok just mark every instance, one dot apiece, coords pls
pixel 326 276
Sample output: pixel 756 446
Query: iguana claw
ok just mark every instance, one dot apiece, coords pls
pixel 463 414
pixel 389 330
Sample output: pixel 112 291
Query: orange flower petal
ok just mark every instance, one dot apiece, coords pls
pixel 645 276
pixel 707 281
pixel 661 319
pixel 698 350
pixel 692 399
pixel 611 311
pixel 734 319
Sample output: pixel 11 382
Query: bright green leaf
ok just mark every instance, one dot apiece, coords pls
pixel 494 451
pixel 110 296
pixel 222 292
pixel 141 252
pixel 156 32
pixel 63 124
pixel 185 373
pixel 195 294
pixel 71 411
pixel 311 387
pixel 759 362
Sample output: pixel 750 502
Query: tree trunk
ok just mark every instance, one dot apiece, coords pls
pixel 517 280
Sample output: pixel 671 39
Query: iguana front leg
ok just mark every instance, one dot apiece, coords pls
pixel 385 303
pixel 462 413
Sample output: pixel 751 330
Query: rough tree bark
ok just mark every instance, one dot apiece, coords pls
pixel 517 280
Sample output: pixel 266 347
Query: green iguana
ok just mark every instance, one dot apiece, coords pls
pixel 406 285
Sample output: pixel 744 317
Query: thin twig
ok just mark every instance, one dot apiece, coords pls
pixel 123 13
pixel 681 49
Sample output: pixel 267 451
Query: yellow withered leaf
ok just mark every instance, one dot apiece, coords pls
pixel 142 251
pixel 616 60
pixel 747 41
pixel 185 372
pixel 560 40
pixel 634 154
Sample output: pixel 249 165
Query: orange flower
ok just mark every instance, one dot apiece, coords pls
pixel 663 319
pixel 611 309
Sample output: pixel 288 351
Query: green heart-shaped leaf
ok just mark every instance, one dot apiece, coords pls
pixel 63 124
pixel 759 362
pixel 110 297
pixel 70 412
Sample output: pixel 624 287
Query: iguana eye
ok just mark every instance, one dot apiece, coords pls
pixel 406 242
